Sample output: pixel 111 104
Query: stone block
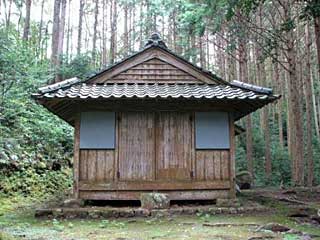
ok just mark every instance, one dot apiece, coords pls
pixel 154 201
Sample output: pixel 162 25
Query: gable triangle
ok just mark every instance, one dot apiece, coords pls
pixel 153 65
pixel 154 70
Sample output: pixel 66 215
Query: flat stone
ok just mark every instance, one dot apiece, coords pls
pixel 43 213
pixel 73 203
pixel 232 202
pixel 154 200
pixel 274 227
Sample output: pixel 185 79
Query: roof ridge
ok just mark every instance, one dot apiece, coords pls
pixel 55 86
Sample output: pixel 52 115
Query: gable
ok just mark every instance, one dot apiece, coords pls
pixel 154 70
pixel 153 65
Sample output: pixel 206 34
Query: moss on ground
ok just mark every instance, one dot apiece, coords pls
pixel 17 222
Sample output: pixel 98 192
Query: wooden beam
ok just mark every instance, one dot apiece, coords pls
pixel 76 156
pixel 131 62
pixel 153 185
pixel 173 195
pixel 232 156
pixel 184 67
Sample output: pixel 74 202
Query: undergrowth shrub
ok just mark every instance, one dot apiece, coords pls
pixel 31 182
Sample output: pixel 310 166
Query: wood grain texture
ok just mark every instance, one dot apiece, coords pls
pixel 212 165
pixel 232 164
pixel 136 146
pixel 173 195
pixel 153 71
pixel 154 185
pixel 83 165
pixel 174 143
pixel 153 56
pixel 76 156
pixel 96 165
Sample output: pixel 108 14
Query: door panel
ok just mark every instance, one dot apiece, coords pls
pixel 174 146
pixel 136 146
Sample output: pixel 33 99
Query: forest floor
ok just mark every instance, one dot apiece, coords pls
pixel 17 221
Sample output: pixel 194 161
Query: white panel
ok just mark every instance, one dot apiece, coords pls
pixel 97 130
pixel 212 130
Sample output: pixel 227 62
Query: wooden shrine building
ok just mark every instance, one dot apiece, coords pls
pixel 153 122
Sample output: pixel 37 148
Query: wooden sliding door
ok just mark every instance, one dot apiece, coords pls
pixel 174 146
pixel 136 146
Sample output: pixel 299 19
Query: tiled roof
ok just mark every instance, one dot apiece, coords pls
pixel 155 90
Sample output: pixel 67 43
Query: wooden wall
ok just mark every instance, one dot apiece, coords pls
pixel 136 146
pixel 174 145
pixel 156 147
pixel 96 165
pixel 152 71
pixel 212 165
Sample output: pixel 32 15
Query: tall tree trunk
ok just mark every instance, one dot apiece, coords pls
pixel 26 28
pixel 264 116
pixel 68 31
pixel 141 26
pixel 8 14
pixel 294 105
pixel 317 37
pixel 55 32
pixel 40 50
pixel 113 40
pixel 279 103
pixel 202 53
pixel 81 12
pixel 62 22
pixel 95 25
pixel 104 31
pixel 133 29
pixel 243 76
pixel 315 110
pixel 309 103
pixel 126 34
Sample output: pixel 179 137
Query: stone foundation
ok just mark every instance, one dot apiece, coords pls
pixel 107 212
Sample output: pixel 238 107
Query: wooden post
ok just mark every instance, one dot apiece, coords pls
pixel 76 153
pixel 116 149
pixel 232 157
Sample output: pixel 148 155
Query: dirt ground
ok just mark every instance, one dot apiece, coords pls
pixel 295 210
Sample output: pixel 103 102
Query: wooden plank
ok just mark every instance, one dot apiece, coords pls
pixel 156 72
pixel 153 185
pixel 101 165
pixel 92 164
pixel 171 81
pixel 174 173
pixel 109 165
pixel 147 55
pixel 116 150
pixel 174 143
pixel 210 166
pixel 83 165
pixel 185 67
pixel 193 150
pixel 173 195
pixel 217 165
pixel 232 157
pixel 200 165
pixel 154 55
pixel 225 165
pixel 136 146
pixel 76 156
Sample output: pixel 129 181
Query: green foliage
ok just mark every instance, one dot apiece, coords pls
pixel 33 142
pixel 281 163
pixel 32 182
pixel 311 9
pixel 80 66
